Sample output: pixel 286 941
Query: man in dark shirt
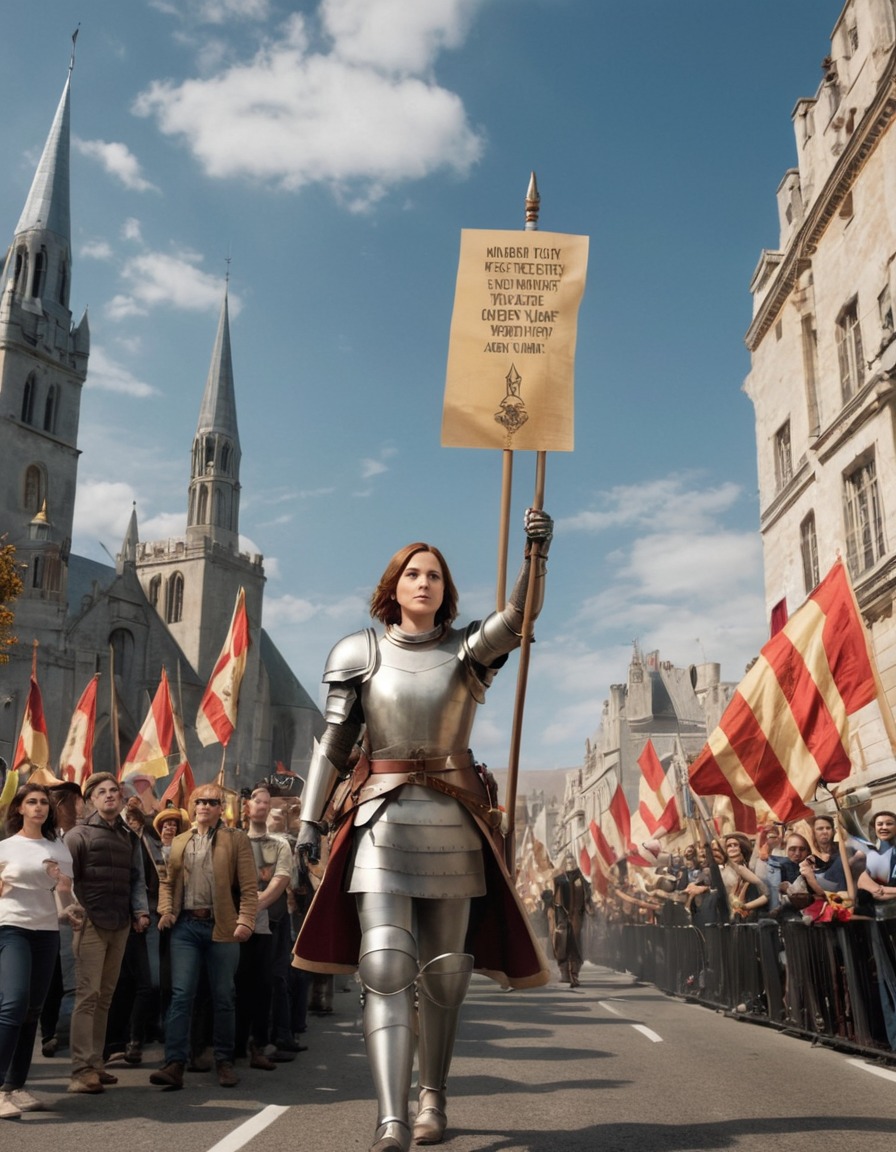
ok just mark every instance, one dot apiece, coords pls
pixel 110 886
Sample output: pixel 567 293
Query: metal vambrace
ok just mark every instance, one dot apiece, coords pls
pixel 500 632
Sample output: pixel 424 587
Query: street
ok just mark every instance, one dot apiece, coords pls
pixel 612 1066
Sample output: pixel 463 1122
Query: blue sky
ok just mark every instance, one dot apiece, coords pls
pixel 334 151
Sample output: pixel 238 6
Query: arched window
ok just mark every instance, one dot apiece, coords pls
pixel 121 641
pixel 225 459
pixel 202 511
pixel 62 292
pixel 40 271
pixel 37 571
pixel 155 591
pixel 209 453
pixel 174 600
pixel 20 276
pixel 34 492
pixel 28 400
pixel 50 409
pixel 219 508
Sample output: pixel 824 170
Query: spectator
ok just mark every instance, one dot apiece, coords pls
pixel 207 901
pixel 55 1018
pixel 170 822
pixel 34 863
pixel 794 891
pixel 878 881
pixel 268 943
pixel 110 884
pixel 136 994
pixel 746 892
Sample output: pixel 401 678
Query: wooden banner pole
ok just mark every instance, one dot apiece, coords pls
pixel 513 757
pixel 504 528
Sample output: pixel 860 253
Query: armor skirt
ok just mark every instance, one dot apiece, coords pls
pixel 418 843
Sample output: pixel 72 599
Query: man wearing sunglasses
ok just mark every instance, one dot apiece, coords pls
pixel 208 902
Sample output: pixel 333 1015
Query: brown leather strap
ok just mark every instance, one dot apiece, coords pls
pixel 435 764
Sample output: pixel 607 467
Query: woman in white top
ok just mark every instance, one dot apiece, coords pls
pixel 33 864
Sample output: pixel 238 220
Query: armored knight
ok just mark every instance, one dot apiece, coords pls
pixel 415 894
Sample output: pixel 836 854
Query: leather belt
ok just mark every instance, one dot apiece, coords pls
pixel 198 913
pixel 433 764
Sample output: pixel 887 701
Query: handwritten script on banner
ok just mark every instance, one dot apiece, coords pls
pixel 511 352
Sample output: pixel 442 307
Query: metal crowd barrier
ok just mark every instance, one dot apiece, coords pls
pixel 833 983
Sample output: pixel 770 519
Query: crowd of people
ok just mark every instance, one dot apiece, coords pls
pixel 123 925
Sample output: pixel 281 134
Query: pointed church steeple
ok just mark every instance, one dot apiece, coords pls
pixel 38 266
pixel 43 366
pixel 47 206
pixel 128 553
pixel 214 503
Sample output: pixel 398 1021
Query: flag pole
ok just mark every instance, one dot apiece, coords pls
pixel 513 758
pixel 533 202
pixel 113 715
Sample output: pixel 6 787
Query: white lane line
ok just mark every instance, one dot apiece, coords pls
pixel 885 1073
pixel 642 1028
pixel 242 1135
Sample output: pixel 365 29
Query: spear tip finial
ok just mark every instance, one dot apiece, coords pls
pixel 533 203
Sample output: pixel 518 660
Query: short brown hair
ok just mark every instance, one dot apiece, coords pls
pixel 383 605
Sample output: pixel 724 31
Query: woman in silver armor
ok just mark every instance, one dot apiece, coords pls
pixel 415 894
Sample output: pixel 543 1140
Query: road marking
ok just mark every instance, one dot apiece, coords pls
pixel 885 1073
pixel 642 1028
pixel 242 1135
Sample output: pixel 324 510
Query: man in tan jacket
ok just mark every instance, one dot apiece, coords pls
pixel 208 902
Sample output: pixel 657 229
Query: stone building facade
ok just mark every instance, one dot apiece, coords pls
pixel 823 352
pixel 670 706
pixel 166 603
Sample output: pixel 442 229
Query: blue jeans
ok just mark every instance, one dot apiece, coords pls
pixel 191 948
pixel 27 961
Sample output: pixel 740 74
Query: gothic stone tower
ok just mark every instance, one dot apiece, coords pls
pixel 43 365
pixel 193 582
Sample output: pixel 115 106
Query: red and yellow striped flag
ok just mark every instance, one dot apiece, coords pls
pixel 787 726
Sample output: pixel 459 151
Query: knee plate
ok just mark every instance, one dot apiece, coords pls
pixel 444 979
pixel 388 963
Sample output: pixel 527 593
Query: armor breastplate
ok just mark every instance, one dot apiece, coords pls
pixel 418 701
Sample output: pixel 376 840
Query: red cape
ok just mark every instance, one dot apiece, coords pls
pixel 499 937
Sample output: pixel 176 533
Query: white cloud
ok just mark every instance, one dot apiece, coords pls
pixel 372 468
pixel 130 230
pixel 214 11
pixel 118 160
pixel 280 610
pixel 102 511
pixel 395 35
pixel 162 526
pixel 360 116
pixel 107 375
pixel 666 502
pixel 161 279
pixel 96 250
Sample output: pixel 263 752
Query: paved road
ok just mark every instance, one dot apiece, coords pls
pixel 614 1067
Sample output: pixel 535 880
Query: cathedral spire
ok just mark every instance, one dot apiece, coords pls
pixel 218 410
pixel 214 505
pixel 128 553
pixel 47 206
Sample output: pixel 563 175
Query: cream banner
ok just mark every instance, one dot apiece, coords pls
pixel 512 346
